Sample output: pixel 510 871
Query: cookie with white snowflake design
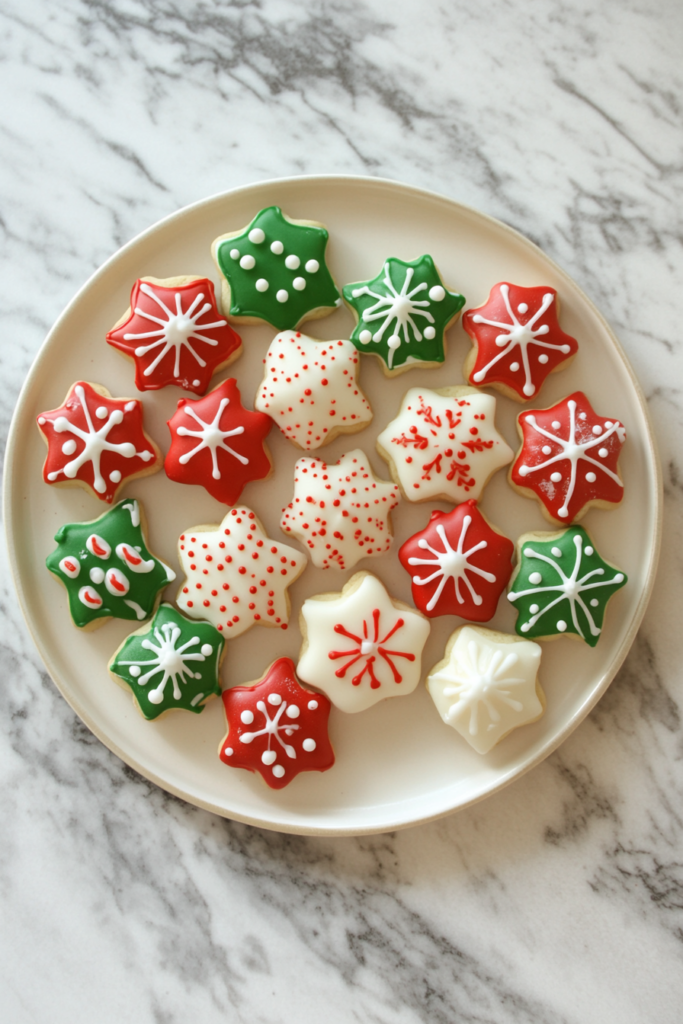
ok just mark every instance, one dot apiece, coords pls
pixel 361 646
pixel 276 727
pixel 443 445
pixel 460 564
pixel 175 334
pixel 96 441
pixel 218 444
pixel 169 664
pixel 402 314
pixel 517 340
pixel 569 459
pixel 487 685
pixel 561 586
pixel 340 512
pixel 107 567
pixel 310 389
pixel 237 576
pixel 274 271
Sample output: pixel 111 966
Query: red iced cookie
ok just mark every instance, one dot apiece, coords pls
pixel 96 441
pixel 175 334
pixel 517 340
pixel 218 444
pixel 568 459
pixel 276 727
pixel 459 563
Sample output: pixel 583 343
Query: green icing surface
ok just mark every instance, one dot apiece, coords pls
pixel 300 243
pixel 573 577
pixel 398 311
pixel 119 525
pixel 173 664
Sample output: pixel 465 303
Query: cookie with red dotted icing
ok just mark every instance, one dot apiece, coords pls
pixel 340 512
pixel 459 564
pixel 568 459
pixel 96 441
pixel 236 576
pixel 310 388
pixel 517 340
pixel 218 444
pixel 175 334
pixel 276 727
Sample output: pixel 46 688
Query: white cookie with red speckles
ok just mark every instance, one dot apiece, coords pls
pixel 340 512
pixel 310 389
pixel 237 577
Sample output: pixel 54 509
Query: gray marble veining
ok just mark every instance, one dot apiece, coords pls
pixel 557 900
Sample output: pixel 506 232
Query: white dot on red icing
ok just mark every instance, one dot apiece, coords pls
pixel 69 447
pixel 274 698
pixel 247 717
pixel 293 711
pixel 556 424
pixel 603 453
pixel 282 295
pixel 247 262
pixel 228 751
pixel 522 307
pixel 437 293
pixel 268 756
pixel 101 412
pixel 129 406
pixel 278 771
pixel 262 285
pixel 543 358
pixel 582 416
pixel 256 235
pixel 589 550
pixel 292 262
pixel 115 476
pixel 597 429
pixel 546 449
pixel 299 283
pixel 312 705
pixel 309 745
pixel 196 383
pixel 312 266
pixel 557 552
pixel 591 478
pixel 556 477
pixel 514 367
pixel 41 420
pixel 535 578
pixel 277 248
pixel 608 424
pixel 561 625
pixel 429 333
pixel 235 254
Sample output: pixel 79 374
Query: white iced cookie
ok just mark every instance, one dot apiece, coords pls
pixel 360 646
pixel 444 444
pixel 310 389
pixel 487 685
pixel 340 512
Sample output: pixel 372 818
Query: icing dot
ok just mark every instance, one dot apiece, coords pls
pixel 268 756
pixel 522 308
pixel 394 341
pixel 278 771
pixel 97 574
pixel 546 449
pixel 588 550
pixel 514 367
pixel 525 627
pixel 557 552
pixel 312 266
pixel 608 424
pixel 582 416
pixel 277 248
pixel 429 333
pixel 282 295
pixel 556 424
pixel 207 650
pixel 247 717
pixel 262 285
pixel 299 283
pixel 597 429
pixel 365 337
pixel 228 751
pixel 594 602
pixel 256 235
pixel 543 358
pixel 292 262
pixel 556 477
pixel 235 254
pixel 101 412
pixel 247 262
pixel 561 625
pixel 603 453
pixel 196 383
pixel 41 420
pixel 135 671
pixel 535 578
pixel 274 698
pixel 533 608
pixel 312 705
pixel 591 478
pixel 437 293
pixel 309 745
pixel 69 447
pixel 293 711
pixel 619 578
pixel 115 476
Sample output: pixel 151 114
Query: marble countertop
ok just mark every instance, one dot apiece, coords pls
pixel 559 899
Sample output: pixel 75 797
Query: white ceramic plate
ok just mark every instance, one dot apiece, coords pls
pixel 397 764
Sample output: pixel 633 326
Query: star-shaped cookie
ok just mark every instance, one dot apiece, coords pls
pixel 237 577
pixel 340 512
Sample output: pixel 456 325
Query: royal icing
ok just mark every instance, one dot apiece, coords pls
pixel 310 389
pixel 444 444
pixel 403 313
pixel 341 512
pixel 276 727
pixel 275 270
pixel 96 440
pixel 361 646
pixel 171 664
pixel 175 334
pixel 217 443
pixel 518 340
pixel 568 458
pixel 486 686
pixel 237 577
pixel 459 564
pixel 562 585
pixel 107 567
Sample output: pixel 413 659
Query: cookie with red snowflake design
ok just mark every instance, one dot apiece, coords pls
pixel 360 645
pixel 218 444
pixel 175 334
pixel 276 727
pixel 96 441
pixel 517 340
pixel 568 459
pixel 460 564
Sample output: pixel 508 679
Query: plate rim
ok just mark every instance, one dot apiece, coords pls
pixel 13 448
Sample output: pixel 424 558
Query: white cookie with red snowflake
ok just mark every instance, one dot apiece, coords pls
pixel 361 646
pixel 310 389
pixel 341 512
pixel 237 576
pixel 443 445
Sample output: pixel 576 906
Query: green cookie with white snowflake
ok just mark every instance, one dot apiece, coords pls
pixel 403 314
pixel 274 271
pixel 562 586
pixel 170 664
